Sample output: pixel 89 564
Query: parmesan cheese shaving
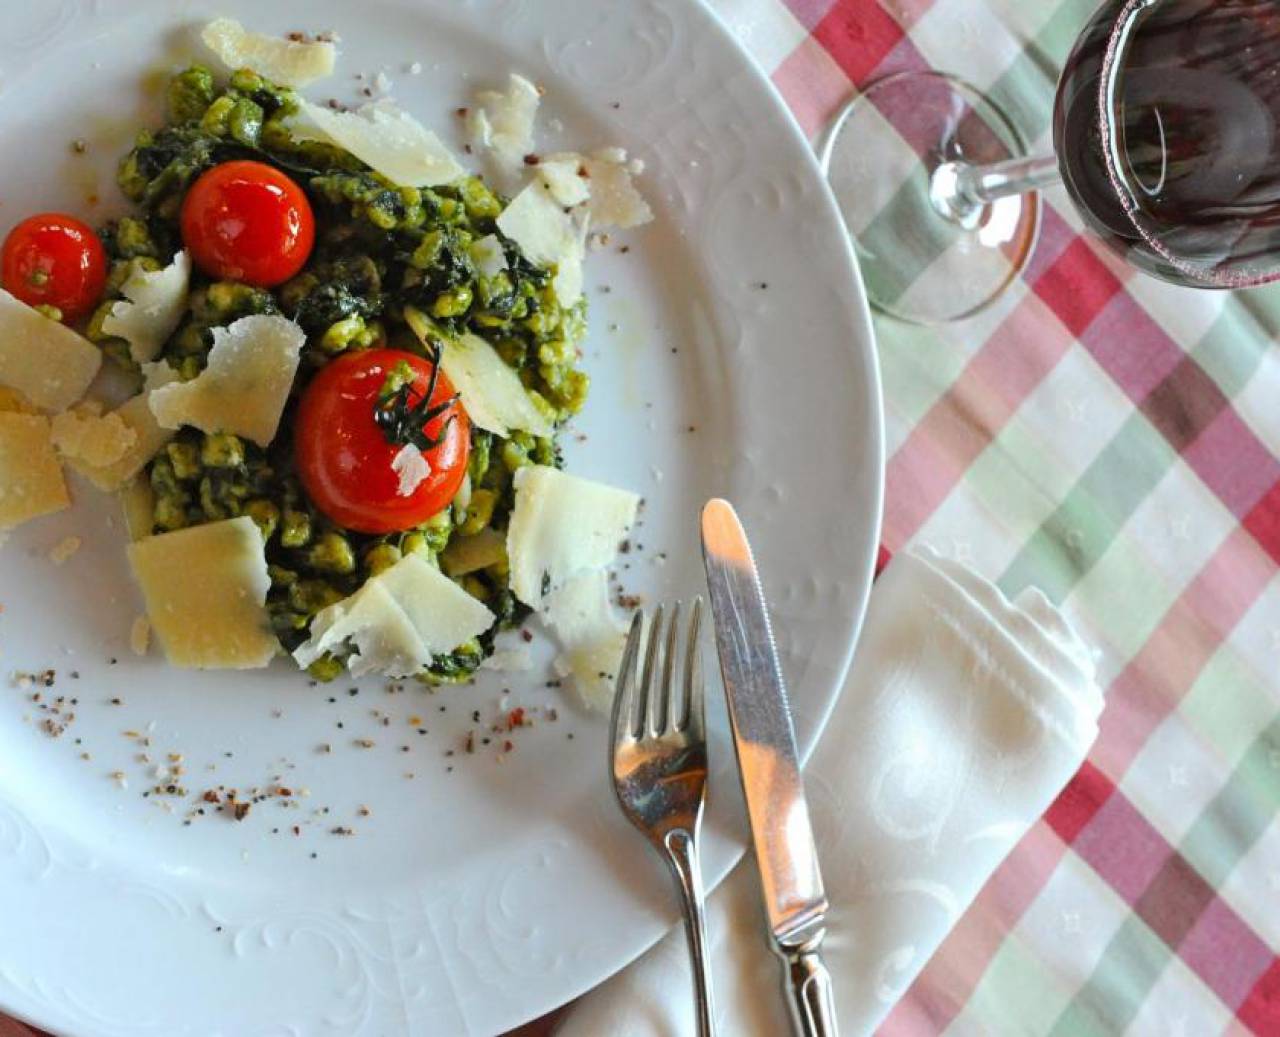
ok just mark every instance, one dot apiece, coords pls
pixel 397 621
pixel 148 437
pixel 488 256
pixel 62 551
pixel 611 197
pixel 411 468
pixel 504 120
pixel 479 130
pixel 140 635
pixel 566 177
pixel 93 440
pixel 374 627
pixel 155 301
pixel 45 361
pixel 509 660
pixel 287 62
pixel 245 385
pixel 138 503
pixel 31 482
pixel 389 141
pixel 491 392
pixel 561 526
pixel 444 615
pixel 206 589
pixel 548 235
pixel 591 636
pixel 13 402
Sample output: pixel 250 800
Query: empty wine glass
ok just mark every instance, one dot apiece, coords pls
pixel 1166 131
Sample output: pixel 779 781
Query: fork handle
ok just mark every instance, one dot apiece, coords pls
pixel 682 853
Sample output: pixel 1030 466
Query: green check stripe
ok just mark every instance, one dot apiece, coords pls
pixel 1241 811
pixel 1072 540
pixel 1220 838
pixel 1084 525
pixel 895 269
pixel 1026 90
pixel 1127 971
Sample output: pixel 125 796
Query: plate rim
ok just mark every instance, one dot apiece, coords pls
pixel 864 355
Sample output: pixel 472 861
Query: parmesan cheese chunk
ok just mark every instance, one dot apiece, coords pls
pixel 548 235
pixel 13 402
pixel 492 393
pixel 89 439
pixel 411 468
pixel 479 129
pixel 287 62
pixel 46 361
pixel 504 120
pixel 140 635
pixel 509 660
pixel 381 638
pixel 245 385
pixel 397 622
pixel 615 202
pixel 388 140
pixel 567 178
pixel 138 503
pixel 590 634
pixel 62 551
pixel 154 303
pixel 148 437
pixel 205 589
pixel 561 526
pixel 607 192
pixel 31 482
pixel 444 615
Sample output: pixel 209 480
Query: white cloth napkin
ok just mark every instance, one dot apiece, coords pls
pixel 963 717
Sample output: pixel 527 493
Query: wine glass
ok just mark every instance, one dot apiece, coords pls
pixel 1166 131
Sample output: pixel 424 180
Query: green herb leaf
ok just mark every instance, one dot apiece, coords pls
pixel 403 414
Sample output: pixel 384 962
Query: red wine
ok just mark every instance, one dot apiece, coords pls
pixel 1167 131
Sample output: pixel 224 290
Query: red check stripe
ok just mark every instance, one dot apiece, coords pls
pixel 1261 1009
pixel 1086 293
pixel 866 42
pixel 962 423
pixel 1191 631
pixel 1263 521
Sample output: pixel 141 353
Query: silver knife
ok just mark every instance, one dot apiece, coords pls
pixel 795 902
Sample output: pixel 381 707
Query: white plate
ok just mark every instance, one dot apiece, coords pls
pixel 470 900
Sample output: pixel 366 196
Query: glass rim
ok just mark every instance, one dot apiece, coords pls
pixel 1112 66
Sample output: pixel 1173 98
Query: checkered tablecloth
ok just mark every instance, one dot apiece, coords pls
pixel 1115 441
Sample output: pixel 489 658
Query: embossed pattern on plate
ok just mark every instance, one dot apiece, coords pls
pixel 731 355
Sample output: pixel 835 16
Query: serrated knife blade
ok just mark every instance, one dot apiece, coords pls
pixel 795 901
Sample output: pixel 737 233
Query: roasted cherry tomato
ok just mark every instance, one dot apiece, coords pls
pixel 54 260
pixel 246 221
pixel 346 458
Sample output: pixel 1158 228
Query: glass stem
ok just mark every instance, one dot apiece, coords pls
pixel 961 190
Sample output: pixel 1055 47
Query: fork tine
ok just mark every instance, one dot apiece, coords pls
pixel 661 705
pixel 622 723
pixel 694 686
pixel 647 690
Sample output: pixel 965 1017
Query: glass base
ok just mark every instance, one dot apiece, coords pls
pixel 882 156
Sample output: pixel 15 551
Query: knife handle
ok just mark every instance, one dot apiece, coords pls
pixel 810 996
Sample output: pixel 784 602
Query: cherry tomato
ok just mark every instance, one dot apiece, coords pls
pixel 246 221
pixel 54 260
pixel 345 460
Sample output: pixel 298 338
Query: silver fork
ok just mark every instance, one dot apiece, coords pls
pixel 658 761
